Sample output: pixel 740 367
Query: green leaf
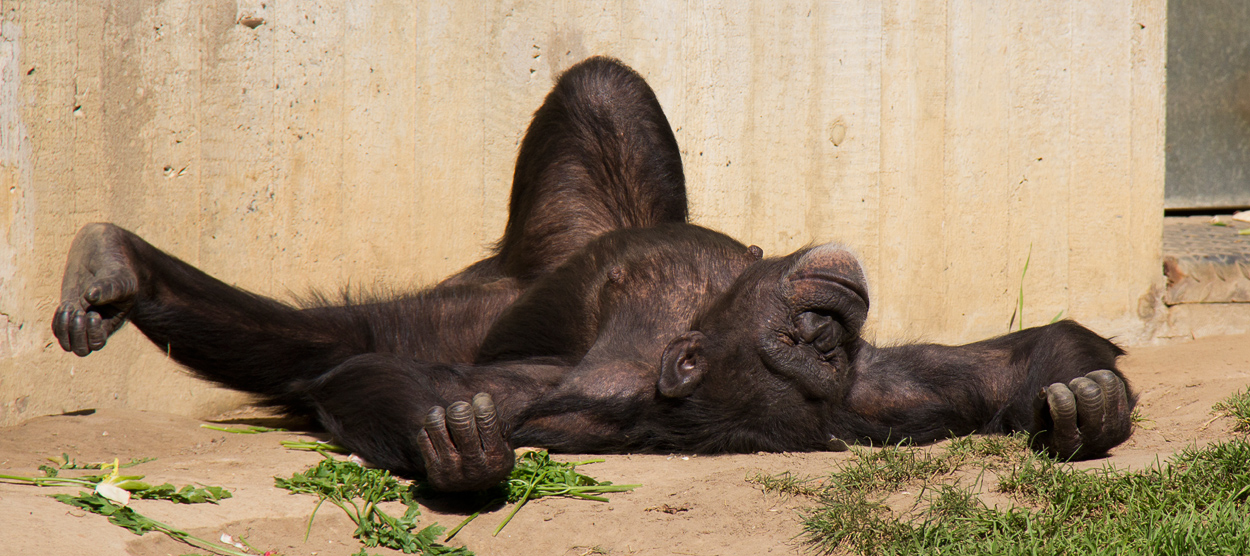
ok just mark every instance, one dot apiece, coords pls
pixel 121 516
pixel 185 495
pixel 249 429
pixel 357 491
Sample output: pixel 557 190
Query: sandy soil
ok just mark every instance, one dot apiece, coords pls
pixel 711 508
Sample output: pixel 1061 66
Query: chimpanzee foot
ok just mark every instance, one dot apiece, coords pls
pixel 97 291
pixel 463 446
pixel 1085 417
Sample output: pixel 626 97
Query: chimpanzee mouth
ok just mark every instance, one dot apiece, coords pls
pixel 819 276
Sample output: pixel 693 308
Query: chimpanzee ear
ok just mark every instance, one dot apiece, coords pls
pixel 682 366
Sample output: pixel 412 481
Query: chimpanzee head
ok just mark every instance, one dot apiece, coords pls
pixel 784 335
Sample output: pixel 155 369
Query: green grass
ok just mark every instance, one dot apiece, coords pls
pixel 991 495
pixel 1237 407
pixel 787 483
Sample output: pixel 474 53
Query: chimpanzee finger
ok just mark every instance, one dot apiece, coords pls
pixel 61 325
pixel 78 334
pixel 96 334
pixel 1090 404
pixel 1117 407
pixel 435 427
pixel 428 454
pixel 488 424
pixel 460 422
pixel 1065 439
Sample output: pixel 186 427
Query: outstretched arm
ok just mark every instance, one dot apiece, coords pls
pixel 1057 382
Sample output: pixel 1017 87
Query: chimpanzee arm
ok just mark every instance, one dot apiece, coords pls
pixel 1058 382
pixel 451 423
pixel 239 339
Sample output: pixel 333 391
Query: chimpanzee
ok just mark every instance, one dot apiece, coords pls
pixel 603 322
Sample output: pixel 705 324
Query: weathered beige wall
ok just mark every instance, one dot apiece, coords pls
pixel 371 142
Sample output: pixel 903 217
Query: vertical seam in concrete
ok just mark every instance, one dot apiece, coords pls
pixel 341 185
pixel 1128 256
pixel 815 224
pixel 1005 29
pixel 941 181
pixel 201 192
pixel 73 195
pixel 281 223
pixel 883 106
pixel 1067 186
pixel 484 163
pixel 1131 215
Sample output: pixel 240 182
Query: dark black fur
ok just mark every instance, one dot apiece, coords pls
pixel 603 323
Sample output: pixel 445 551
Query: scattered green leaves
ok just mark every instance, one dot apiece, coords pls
pixel 358 491
pixel 122 516
pixel 137 523
pixel 66 463
pixel 354 489
pixel 130 483
pixel 185 495
pixel 323 448
pixel 536 475
pixel 111 491
pixel 52 480
pixel 248 429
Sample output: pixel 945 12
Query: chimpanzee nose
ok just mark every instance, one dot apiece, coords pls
pixel 811 325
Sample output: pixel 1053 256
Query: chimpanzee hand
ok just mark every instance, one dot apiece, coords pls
pixel 1083 418
pixel 464 448
pixel 97 291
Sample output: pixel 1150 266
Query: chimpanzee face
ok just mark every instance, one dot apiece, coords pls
pixel 787 324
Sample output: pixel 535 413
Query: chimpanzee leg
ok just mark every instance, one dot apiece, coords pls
pixel 393 412
pixel 246 341
pixel 598 156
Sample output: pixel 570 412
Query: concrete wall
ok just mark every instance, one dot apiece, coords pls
pixel 371 142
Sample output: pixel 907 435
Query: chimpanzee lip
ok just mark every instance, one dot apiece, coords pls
pixel 843 281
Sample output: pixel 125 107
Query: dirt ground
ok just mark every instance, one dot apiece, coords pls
pixel 693 505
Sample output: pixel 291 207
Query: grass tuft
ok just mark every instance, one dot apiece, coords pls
pixel 1237 407
pixel 786 483
pixel 1194 503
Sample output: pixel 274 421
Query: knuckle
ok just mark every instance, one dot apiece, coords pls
pixel 435 420
pixel 459 413
pixel 1062 403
